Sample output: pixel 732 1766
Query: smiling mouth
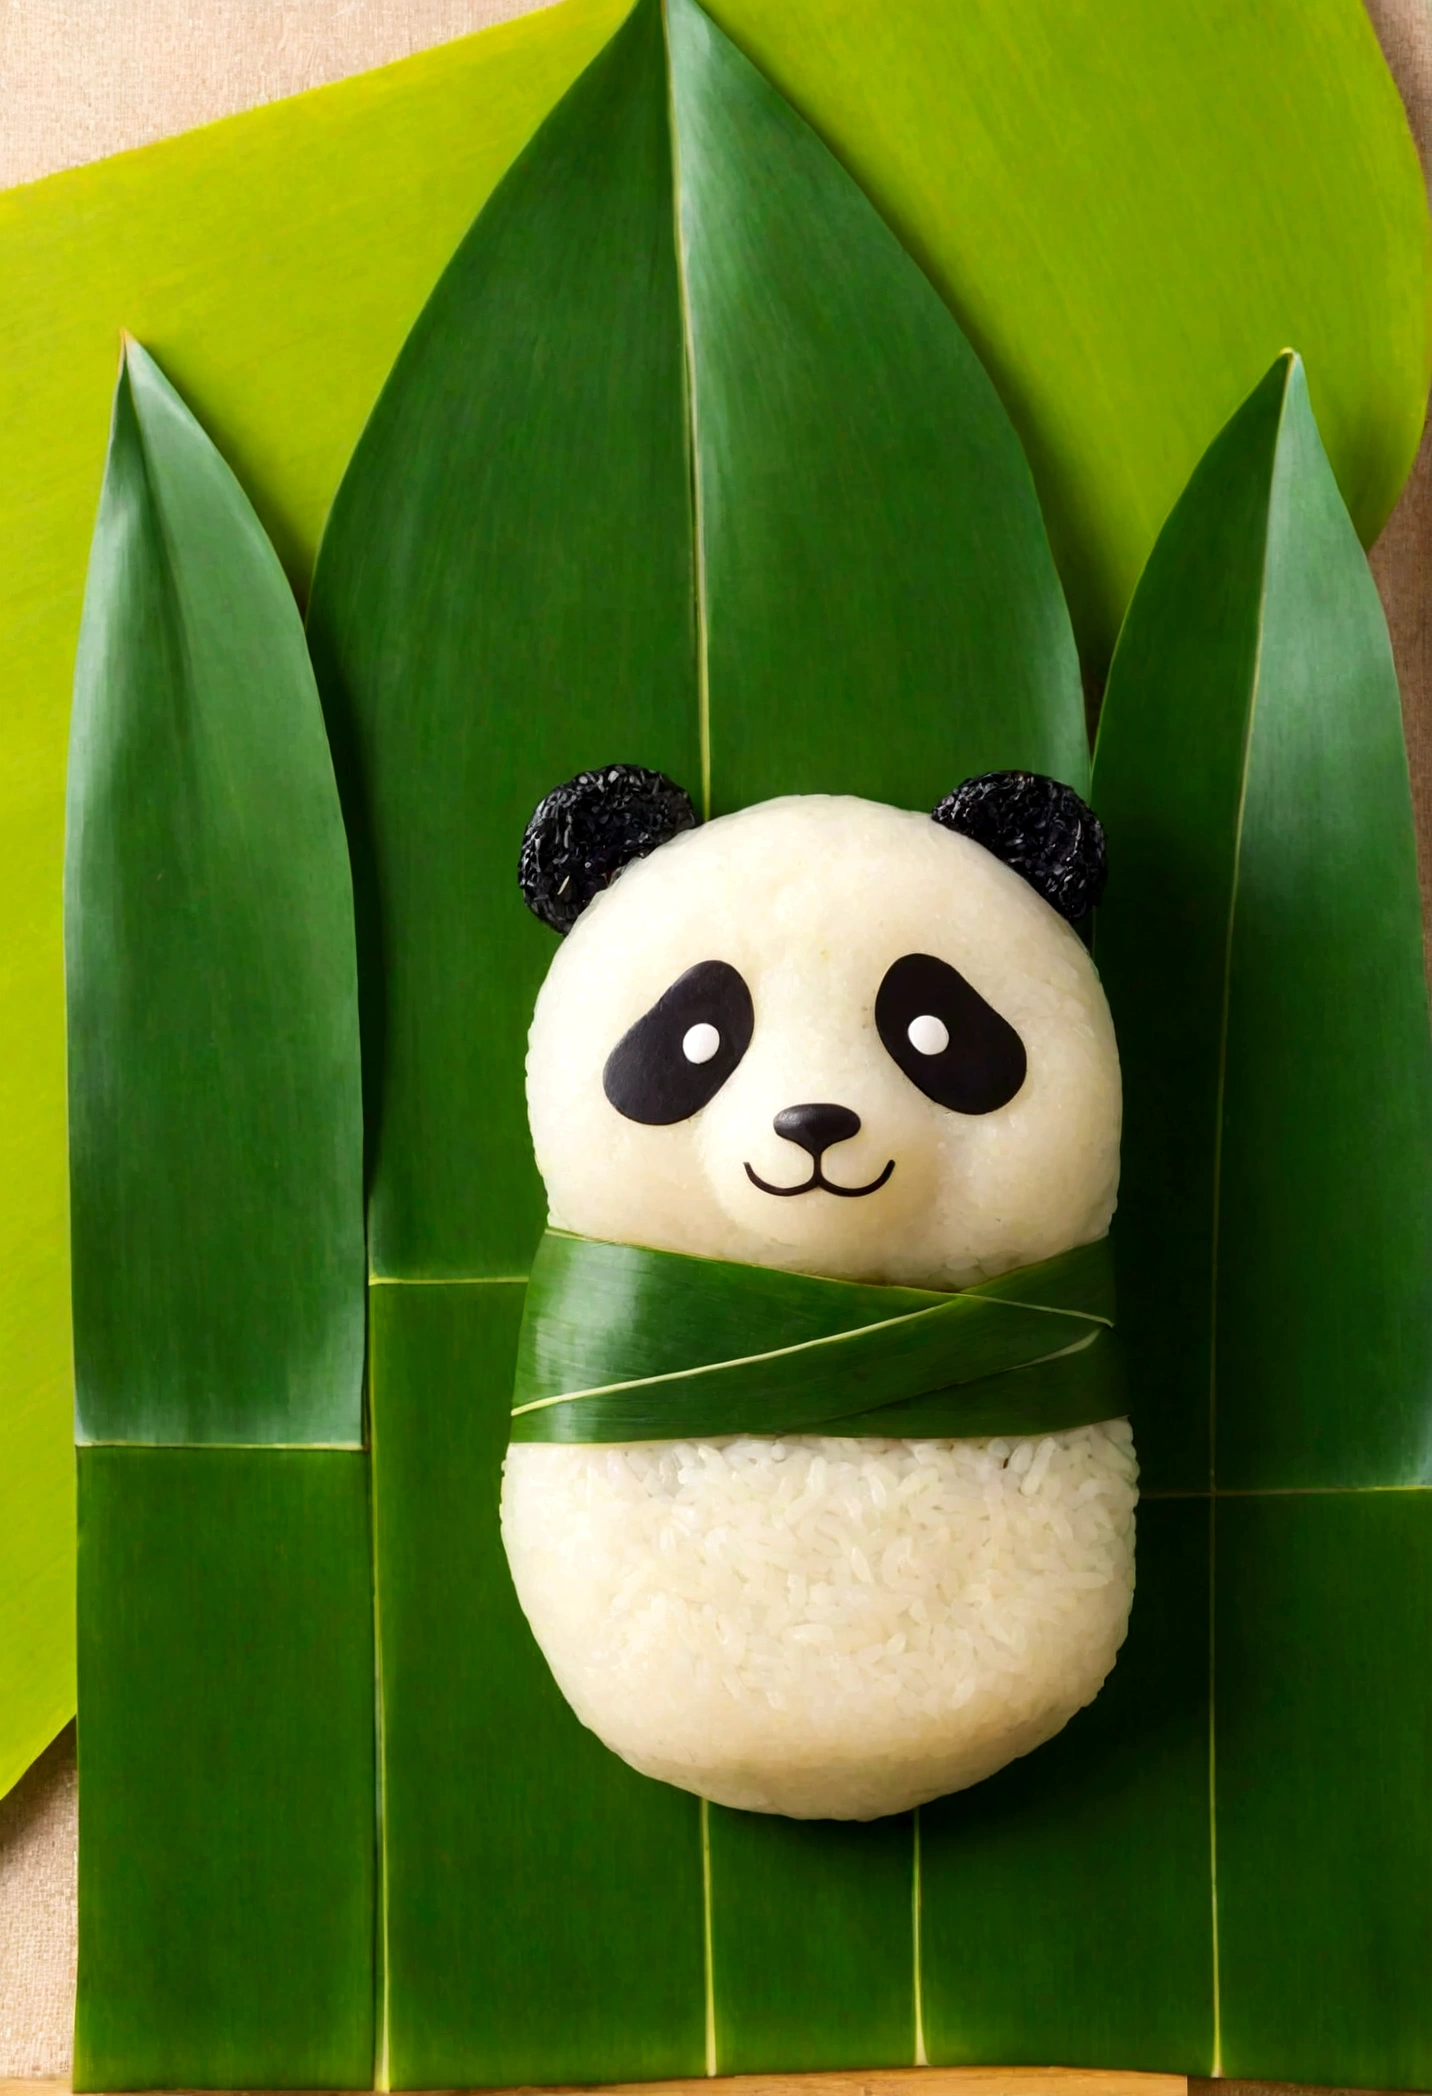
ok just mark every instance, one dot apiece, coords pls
pixel 819 1184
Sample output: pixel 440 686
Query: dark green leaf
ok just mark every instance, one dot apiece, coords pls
pixel 1261 946
pixel 1066 1908
pixel 543 1901
pixel 1260 943
pixel 789 1936
pixel 507 592
pixel 1324 1710
pixel 503 597
pixel 226 1770
pixel 215 1121
pixel 880 605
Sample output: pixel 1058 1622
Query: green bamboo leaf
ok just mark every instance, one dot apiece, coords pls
pixel 504 594
pixel 215 1121
pixel 1260 942
pixel 226 1769
pixel 544 1902
pixel 1261 946
pixel 1065 1903
pixel 509 590
pixel 1323 1701
pixel 873 558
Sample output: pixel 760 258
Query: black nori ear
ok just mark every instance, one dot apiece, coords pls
pixel 583 833
pixel 1040 828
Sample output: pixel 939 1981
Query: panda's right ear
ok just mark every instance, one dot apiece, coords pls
pixel 584 832
pixel 1042 831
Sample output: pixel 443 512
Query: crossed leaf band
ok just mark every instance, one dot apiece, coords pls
pixel 621 1343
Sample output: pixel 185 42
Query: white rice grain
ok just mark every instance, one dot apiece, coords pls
pixel 825 1627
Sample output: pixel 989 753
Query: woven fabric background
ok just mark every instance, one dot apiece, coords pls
pixel 37 1915
pixel 78 81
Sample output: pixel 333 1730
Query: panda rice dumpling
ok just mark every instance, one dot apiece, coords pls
pixel 837 1039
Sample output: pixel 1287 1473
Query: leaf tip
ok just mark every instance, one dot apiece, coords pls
pixel 131 352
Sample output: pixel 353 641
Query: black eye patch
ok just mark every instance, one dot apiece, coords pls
pixel 946 1039
pixel 679 1054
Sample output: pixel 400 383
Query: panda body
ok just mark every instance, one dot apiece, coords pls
pixel 825 1626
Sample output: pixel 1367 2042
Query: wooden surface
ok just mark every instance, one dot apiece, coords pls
pixel 899 2081
pixel 903 2081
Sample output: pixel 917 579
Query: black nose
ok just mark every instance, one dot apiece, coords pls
pixel 815 1128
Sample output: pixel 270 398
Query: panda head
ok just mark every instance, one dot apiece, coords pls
pixel 824 1033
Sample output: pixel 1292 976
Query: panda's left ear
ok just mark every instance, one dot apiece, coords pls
pixel 1038 827
pixel 585 831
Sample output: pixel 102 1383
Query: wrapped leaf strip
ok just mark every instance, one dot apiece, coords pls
pixel 623 1344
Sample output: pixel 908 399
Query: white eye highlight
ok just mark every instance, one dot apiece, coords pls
pixel 699 1043
pixel 927 1035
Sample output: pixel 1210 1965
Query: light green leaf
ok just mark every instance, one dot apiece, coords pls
pixel 1130 209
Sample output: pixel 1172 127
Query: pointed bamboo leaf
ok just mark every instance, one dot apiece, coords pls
pixel 226 1715
pixel 509 590
pixel 1260 943
pixel 504 595
pixel 881 610
pixel 215 1119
